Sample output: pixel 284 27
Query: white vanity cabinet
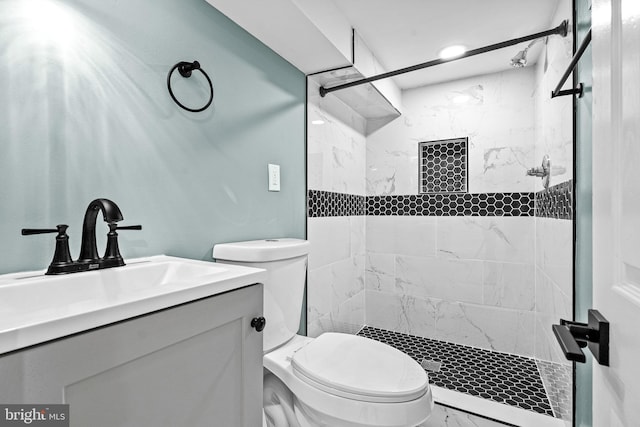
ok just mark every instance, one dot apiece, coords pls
pixel 195 364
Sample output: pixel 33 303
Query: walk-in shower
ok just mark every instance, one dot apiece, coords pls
pixel 467 279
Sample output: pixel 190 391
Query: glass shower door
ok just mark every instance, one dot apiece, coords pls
pixel 583 211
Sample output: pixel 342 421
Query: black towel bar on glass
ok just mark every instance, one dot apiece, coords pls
pixel 185 69
pixel 579 90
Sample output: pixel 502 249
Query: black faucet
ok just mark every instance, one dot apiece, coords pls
pixel 89 258
pixel 111 214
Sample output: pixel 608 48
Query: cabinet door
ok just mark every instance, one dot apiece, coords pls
pixel 197 364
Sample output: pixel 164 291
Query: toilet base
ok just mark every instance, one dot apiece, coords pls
pixel 283 409
pixel 307 417
pixel 277 401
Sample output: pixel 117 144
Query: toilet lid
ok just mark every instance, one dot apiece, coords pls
pixel 360 368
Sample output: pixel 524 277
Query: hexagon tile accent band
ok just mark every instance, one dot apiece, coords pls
pixel 451 204
pixel 327 203
pixel 556 201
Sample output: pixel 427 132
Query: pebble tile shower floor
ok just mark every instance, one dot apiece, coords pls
pixel 501 377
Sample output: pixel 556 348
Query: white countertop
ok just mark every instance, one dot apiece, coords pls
pixel 35 308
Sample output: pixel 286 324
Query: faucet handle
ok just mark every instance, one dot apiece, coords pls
pixel 61 229
pixel 126 227
pixel 112 257
pixel 62 256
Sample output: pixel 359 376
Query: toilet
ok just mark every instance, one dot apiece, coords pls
pixel 336 379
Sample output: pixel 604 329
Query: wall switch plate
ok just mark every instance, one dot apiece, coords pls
pixel 274 177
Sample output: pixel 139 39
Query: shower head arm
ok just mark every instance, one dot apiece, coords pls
pixel 520 59
pixel 535 41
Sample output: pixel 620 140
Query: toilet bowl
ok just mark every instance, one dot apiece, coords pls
pixel 334 380
pixel 350 381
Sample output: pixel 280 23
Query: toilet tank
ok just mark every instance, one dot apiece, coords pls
pixel 286 263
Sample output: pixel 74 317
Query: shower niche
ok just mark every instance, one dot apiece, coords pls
pixel 443 166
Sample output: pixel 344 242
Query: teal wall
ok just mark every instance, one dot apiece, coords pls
pixel 85 113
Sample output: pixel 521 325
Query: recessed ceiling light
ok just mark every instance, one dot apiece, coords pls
pixel 452 51
pixel 317 122
pixel 461 99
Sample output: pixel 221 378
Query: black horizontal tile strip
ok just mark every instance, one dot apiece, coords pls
pixel 505 378
pixel 480 204
pixel 555 202
pixel 327 203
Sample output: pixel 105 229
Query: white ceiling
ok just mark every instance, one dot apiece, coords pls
pixel 408 32
pixel 400 33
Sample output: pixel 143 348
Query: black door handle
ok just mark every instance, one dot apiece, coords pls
pixel 568 344
pixel 595 334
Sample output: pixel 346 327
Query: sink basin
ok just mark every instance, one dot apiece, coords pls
pixel 111 284
pixel 35 308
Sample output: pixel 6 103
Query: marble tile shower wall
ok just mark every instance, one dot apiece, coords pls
pixel 495 111
pixel 493 278
pixel 464 279
pixel 336 168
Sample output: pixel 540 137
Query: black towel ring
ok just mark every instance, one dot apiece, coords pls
pixel 185 69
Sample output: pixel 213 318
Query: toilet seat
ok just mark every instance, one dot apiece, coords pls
pixel 342 410
pixel 359 368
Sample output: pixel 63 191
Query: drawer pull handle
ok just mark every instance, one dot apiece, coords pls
pixel 258 323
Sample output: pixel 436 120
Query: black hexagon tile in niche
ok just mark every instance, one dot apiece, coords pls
pixel 443 166
pixel 501 377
